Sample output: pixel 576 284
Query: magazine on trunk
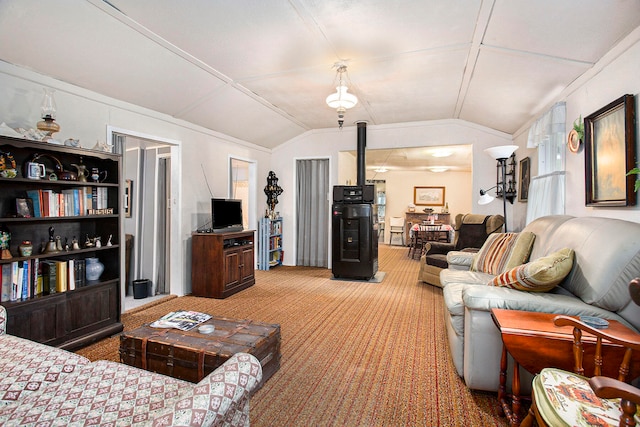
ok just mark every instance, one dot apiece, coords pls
pixel 182 319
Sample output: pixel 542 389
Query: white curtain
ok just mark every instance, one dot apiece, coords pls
pixel 546 196
pixel 546 191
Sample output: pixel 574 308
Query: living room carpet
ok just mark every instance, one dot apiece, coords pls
pixel 353 353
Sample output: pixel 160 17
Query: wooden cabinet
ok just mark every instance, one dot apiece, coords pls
pixel 221 263
pixel 57 204
pixel 270 246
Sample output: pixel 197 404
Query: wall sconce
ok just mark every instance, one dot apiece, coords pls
pixel 505 190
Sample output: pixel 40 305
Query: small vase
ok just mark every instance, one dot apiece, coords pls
pixel 25 248
pixel 93 268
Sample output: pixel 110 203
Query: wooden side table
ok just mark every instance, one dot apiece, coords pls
pixel 535 343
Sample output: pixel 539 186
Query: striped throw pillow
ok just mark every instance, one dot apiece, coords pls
pixel 503 251
pixel 540 275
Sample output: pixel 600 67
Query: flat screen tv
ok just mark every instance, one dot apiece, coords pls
pixel 226 215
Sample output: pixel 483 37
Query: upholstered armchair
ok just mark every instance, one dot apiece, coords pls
pixel 471 230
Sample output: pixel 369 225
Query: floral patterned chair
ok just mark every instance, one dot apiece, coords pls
pixel 42 385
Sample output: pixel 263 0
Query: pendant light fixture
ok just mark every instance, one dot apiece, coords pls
pixel 341 100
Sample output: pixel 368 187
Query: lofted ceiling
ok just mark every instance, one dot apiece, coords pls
pixel 260 70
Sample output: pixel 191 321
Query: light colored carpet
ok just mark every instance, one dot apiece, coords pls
pixel 353 354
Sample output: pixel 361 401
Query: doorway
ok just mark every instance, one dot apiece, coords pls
pixel 242 186
pixel 149 169
pixel 312 212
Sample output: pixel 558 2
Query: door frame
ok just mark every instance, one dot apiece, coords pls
pixel 175 255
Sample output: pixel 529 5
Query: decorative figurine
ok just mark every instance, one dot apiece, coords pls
pixel 88 243
pixel 98 242
pixel 5 240
pixel 51 246
pixel 272 190
pixel 109 240
pixel 74 244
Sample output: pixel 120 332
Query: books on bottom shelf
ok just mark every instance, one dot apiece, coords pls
pixel 184 320
pixel 22 280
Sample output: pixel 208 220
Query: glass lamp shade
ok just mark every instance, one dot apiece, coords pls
pixel 341 98
pixel 485 199
pixel 48 108
pixel 501 151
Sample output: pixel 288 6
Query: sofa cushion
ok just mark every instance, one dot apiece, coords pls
pixel 27 367
pixel 540 275
pixel 101 393
pixel 565 398
pixel 503 251
pixel 437 260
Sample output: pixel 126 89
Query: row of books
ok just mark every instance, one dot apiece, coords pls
pixel 275 242
pixel 22 280
pixel 70 202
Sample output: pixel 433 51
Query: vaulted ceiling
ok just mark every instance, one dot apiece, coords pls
pixel 261 70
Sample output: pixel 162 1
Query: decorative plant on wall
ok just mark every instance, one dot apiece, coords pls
pixel 578 126
pixel 635 171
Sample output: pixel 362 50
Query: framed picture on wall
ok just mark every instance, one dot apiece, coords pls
pixel 428 196
pixel 525 178
pixel 610 151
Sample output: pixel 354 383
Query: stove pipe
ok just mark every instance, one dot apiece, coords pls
pixel 362 144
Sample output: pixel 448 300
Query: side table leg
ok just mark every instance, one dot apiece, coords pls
pixel 515 402
pixel 502 390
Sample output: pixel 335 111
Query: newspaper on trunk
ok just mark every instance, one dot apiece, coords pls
pixel 184 320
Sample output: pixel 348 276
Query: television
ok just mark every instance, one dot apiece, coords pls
pixel 226 215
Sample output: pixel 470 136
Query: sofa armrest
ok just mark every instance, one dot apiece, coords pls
pixel 222 397
pixel 3 320
pixel 431 248
pixel 460 260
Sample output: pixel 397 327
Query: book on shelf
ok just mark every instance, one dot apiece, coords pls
pixel 26 287
pixel 6 283
pixel 36 197
pixel 71 275
pixel 183 320
pixel 79 266
pixel 61 276
pixel 49 270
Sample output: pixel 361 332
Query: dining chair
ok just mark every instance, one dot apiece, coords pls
pixel 419 236
pixel 560 397
pixel 396 226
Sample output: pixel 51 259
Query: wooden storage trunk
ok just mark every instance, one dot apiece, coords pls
pixel 191 355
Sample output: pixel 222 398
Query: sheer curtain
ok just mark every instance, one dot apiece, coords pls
pixel 312 213
pixel 547 190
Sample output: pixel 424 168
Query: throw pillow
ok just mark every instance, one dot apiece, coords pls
pixel 503 251
pixel 540 275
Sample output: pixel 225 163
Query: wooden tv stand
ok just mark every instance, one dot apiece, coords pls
pixel 222 263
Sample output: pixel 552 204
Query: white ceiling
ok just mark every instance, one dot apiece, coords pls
pixel 260 70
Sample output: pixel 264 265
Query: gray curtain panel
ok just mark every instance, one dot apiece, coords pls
pixel 312 206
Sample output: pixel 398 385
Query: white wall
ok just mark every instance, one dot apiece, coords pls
pixel 85 115
pixel 615 75
pixel 330 142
